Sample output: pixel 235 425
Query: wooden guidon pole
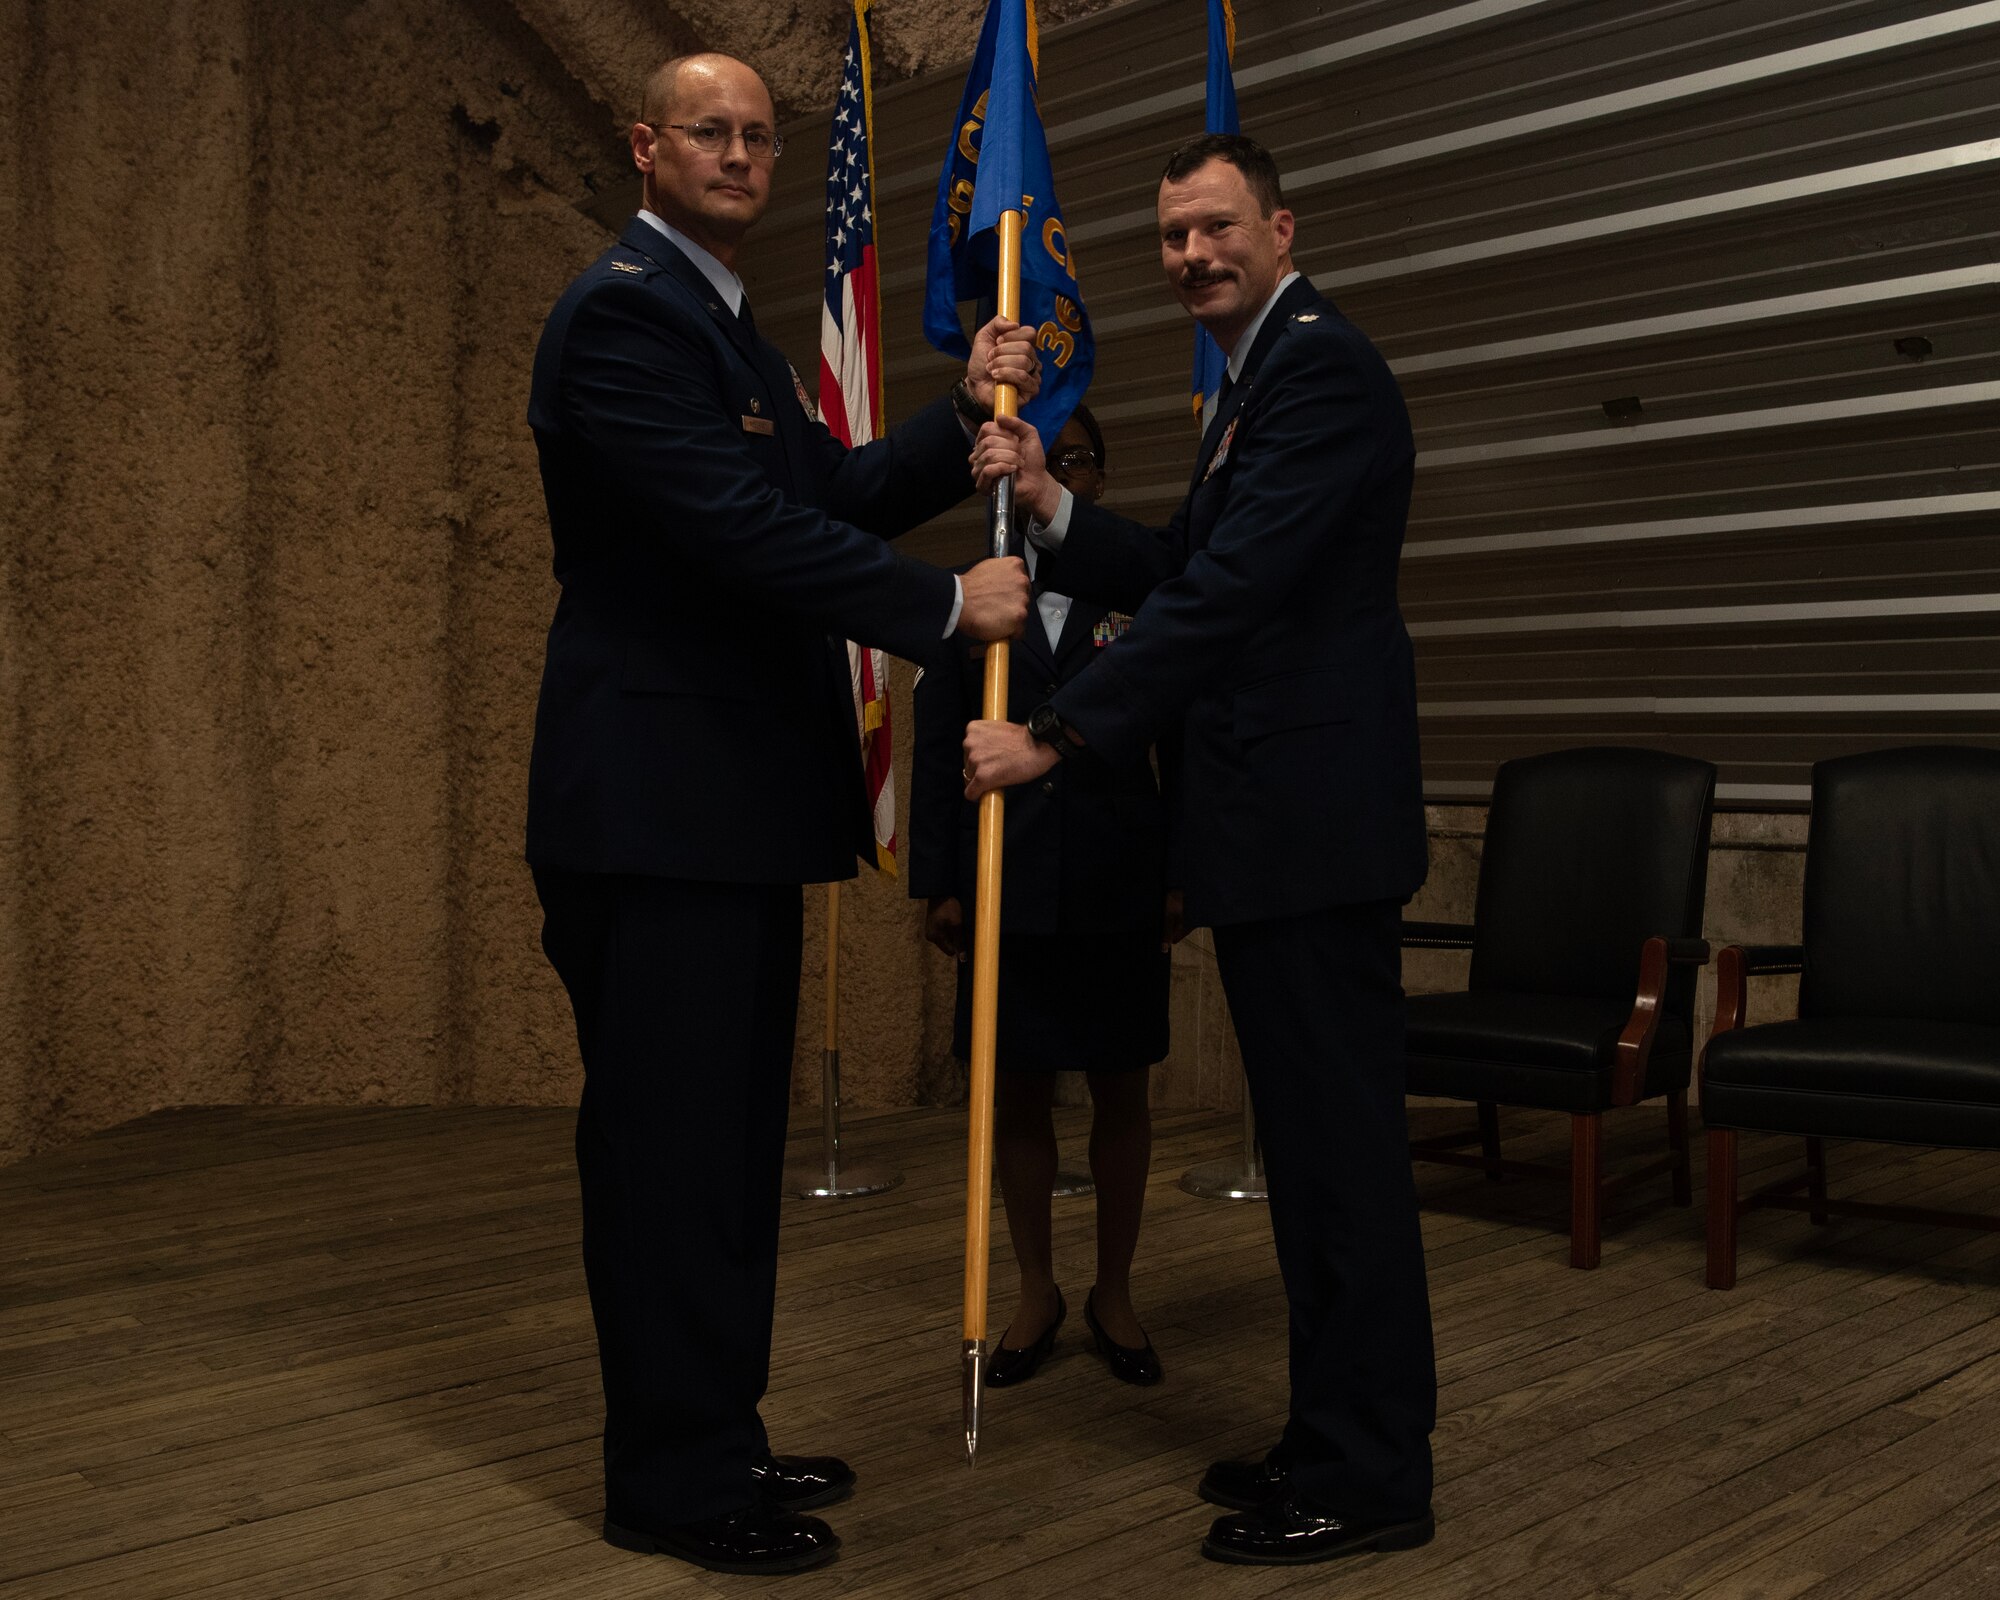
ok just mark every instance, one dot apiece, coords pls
pixel 986 923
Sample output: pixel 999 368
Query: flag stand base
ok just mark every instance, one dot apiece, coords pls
pixel 849 1183
pixel 829 1179
pixel 1237 1177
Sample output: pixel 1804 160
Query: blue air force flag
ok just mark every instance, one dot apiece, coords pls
pixel 999 161
pixel 1209 363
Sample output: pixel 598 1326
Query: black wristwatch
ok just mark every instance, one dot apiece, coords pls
pixel 1045 727
pixel 967 405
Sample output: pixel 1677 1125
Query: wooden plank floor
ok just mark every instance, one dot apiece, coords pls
pixel 247 1353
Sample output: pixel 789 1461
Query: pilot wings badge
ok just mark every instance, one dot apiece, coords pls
pixel 1221 450
pixel 805 400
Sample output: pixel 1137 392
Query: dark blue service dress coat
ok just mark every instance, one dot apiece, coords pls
pixel 1270 633
pixel 696 719
pixel 695 761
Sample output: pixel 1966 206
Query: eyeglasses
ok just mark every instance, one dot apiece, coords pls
pixel 711 139
pixel 1072 461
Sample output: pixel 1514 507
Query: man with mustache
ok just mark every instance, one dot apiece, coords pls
pixel 1267 630
pixel 695 761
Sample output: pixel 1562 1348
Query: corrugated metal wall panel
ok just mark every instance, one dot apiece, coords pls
pixel 1725 213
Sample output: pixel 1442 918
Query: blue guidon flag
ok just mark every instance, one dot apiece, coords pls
pixel 998 160
pixel 1209 363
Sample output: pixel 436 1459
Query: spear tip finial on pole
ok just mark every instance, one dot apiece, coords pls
pixel 974 1374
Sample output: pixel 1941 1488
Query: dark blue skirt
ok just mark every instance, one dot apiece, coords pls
pixel 1069 1003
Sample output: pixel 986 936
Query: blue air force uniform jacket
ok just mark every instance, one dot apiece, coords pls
pixel 696 719
pixel 1267 627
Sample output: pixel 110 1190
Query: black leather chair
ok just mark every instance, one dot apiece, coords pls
pixel 1585 944
pixel 1897 1037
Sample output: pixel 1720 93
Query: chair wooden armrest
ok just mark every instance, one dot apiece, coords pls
pixel 1687 952
pixel 1739 962
pixel 1438 935
pixel 1635 1043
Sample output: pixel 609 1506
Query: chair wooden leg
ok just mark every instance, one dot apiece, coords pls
pixel 1489 1137
pixel 1586 1188
pixel 1722 1208
pixel 1816 1179
pixel 1677 1138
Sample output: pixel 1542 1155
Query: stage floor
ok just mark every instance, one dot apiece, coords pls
pixel 250 1353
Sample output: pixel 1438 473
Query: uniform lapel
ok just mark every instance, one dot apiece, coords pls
pixel 1218 425
pixel 791 417
pixel 1034 639
pixel 760 356
pixel 1078 626
pixel 1294 300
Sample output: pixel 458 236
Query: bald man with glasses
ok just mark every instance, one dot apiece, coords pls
pixel 695 762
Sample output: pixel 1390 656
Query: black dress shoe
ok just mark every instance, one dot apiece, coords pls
pixel 1134 1365
pixel 801 1483
pixel 1018 1366
pixel 1287 1534
pixel 759 1538
pixel 1245 1485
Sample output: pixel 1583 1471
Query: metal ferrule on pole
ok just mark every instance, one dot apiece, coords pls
pixel 973 1376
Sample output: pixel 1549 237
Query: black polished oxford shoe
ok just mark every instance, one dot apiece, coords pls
pixel 1288 1534
pixel 1245 1485
pixel 759 1538
pixel 1018 1366
pixel 802 1483
pixel 1132 1364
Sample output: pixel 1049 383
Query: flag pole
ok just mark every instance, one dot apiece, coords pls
pixel 830 1180
pixel 844 335
pixel 986 923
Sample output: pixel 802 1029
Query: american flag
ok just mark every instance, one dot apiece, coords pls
pixel 850 379
pixel 850 327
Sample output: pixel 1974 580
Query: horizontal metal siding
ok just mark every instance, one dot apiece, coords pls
pixel 1728 211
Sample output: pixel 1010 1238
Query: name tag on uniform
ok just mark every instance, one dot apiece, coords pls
pixel 759 425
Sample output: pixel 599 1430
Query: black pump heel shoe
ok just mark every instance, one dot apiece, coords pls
pixel 1130 1365
pixel 1018 1366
